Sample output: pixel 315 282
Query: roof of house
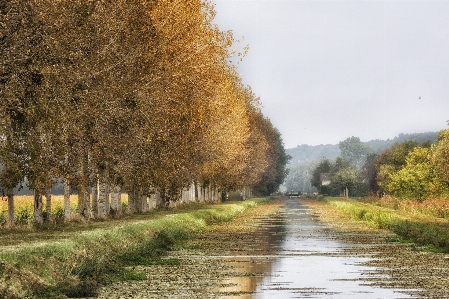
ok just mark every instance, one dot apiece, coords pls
pixel 324 177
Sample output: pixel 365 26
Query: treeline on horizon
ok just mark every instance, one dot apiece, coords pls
pixel 414 167
pixel 139 95
pixel 303 154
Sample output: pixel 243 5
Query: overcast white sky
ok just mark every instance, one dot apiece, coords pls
pixel 329 70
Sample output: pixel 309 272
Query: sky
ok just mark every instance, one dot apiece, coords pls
pixel 329 70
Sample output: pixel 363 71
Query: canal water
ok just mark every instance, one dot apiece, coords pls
pixel 306 260
pixel 288 255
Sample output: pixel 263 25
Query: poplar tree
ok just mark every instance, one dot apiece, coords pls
pixel 127 94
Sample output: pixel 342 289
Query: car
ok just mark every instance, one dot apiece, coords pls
pixel 294 193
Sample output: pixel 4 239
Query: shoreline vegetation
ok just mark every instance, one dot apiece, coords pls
pixel 74 259
pixel 426 223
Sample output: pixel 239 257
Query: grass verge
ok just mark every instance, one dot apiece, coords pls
pixel 77 263
pixel 429 233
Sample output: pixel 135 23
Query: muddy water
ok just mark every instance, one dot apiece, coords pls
pixel 287 255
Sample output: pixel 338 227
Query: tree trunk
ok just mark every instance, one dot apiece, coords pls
pixel 207 194
pixel 10 194
pixel 158 199
pixel 200 193
pixel 107 202
pixel 95 195
pixel 83 193
pixel 102 198
pixel 143 203
pixel 48 205
pixel 131 201
pixel 140 201
pixel 104 205
pixel 66 201
pixel 195 191
pixel 80 199
pixel 81 187
pixel 192 192
pixel 87 208
pixel 38 208
pixel 116 201
pixel 87 205
pixel 152 200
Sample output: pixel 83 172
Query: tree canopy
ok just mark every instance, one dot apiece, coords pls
pixel 354 150
pixel 130 92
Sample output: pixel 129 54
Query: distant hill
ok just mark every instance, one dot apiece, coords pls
pixel 303 154
pixel 380 145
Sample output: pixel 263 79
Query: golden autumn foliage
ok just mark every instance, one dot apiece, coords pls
pixel 137 93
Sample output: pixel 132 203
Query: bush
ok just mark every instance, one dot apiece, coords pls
pixel 124 207
pixel 24 216
pixel 58 214
pixel 3 219
pixel 326 190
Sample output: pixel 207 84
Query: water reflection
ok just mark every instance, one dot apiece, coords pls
pixel 293 255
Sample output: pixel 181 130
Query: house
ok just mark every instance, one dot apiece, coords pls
pixel 363 175
pixel 324 178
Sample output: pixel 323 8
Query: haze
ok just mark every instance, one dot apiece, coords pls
pixel 328 70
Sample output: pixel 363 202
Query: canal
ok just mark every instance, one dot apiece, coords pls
pixel 289 254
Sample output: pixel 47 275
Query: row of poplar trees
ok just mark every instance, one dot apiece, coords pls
pixel 140 94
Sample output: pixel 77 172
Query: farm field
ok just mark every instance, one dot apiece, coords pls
pixel 23 208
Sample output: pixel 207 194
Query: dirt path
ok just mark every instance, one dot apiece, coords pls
pixel 241 259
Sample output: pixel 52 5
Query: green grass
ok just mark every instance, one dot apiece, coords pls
pixel 74 259
pixel 430 233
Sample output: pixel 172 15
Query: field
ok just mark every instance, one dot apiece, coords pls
pixel 23 208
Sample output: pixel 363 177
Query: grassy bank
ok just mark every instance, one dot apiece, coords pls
pixel 428 232
pixel 72 260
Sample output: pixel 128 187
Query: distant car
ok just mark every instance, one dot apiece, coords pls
pixel 294 194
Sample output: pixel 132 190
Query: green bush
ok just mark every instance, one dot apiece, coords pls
pixel 58 214
pixel 3 219
pixel 361 214
pixel 24 216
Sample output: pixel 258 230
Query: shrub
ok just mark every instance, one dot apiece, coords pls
pixel 3 218
pixel 361 214
pixel 58 214
pixel 24 216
